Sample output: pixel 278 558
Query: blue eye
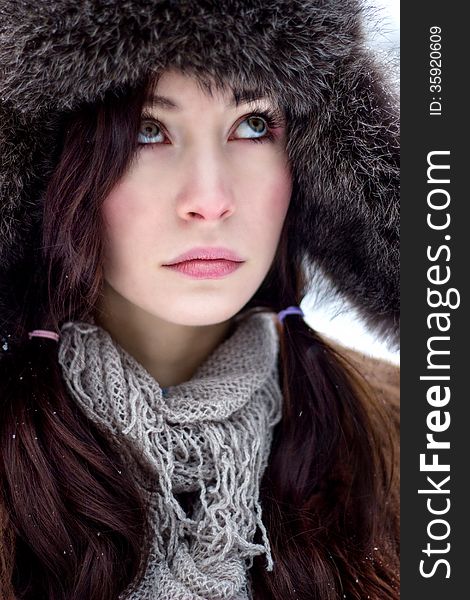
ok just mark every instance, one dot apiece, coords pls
pixel 255 124
pixel 149 129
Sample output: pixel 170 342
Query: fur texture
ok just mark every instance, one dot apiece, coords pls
pixel 308 54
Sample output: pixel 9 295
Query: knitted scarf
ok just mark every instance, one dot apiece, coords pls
pixel 208 437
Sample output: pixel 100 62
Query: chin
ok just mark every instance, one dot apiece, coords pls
pixel 211 313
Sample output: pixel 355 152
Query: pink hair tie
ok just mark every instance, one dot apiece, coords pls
pixel 44 333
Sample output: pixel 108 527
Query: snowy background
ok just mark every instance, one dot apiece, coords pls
pixel 337 319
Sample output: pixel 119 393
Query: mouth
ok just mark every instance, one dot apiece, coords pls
pixel 205 268
pixel 206 253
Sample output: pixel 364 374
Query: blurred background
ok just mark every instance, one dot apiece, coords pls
pixel 337 319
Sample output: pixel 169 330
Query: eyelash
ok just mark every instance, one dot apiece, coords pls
pixel 272 118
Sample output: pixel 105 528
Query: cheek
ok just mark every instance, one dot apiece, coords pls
pixel 281 192
pixel 114 211
pixel 267 173
pixel 274 201
pixel 128 231
pixel 132 215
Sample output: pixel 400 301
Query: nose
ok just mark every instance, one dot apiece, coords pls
pixel 206 192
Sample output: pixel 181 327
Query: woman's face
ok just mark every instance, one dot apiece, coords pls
pixel 199 181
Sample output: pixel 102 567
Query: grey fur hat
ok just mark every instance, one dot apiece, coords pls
pixel 310 54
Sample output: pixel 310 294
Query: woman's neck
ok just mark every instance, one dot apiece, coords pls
pixel 170 352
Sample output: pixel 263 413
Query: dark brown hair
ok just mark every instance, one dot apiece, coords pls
pixel 73 523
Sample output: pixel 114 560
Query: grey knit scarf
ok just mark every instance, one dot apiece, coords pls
pixel 209 436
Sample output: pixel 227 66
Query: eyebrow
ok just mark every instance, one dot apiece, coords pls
pixel 239 97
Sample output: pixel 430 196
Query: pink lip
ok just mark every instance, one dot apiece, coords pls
pixel 206 263
pixel 206 253
pixel 205 269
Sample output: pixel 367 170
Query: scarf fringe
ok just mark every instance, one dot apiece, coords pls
pixel 210 436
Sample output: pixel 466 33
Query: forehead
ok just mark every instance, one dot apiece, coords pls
pixel 173 90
